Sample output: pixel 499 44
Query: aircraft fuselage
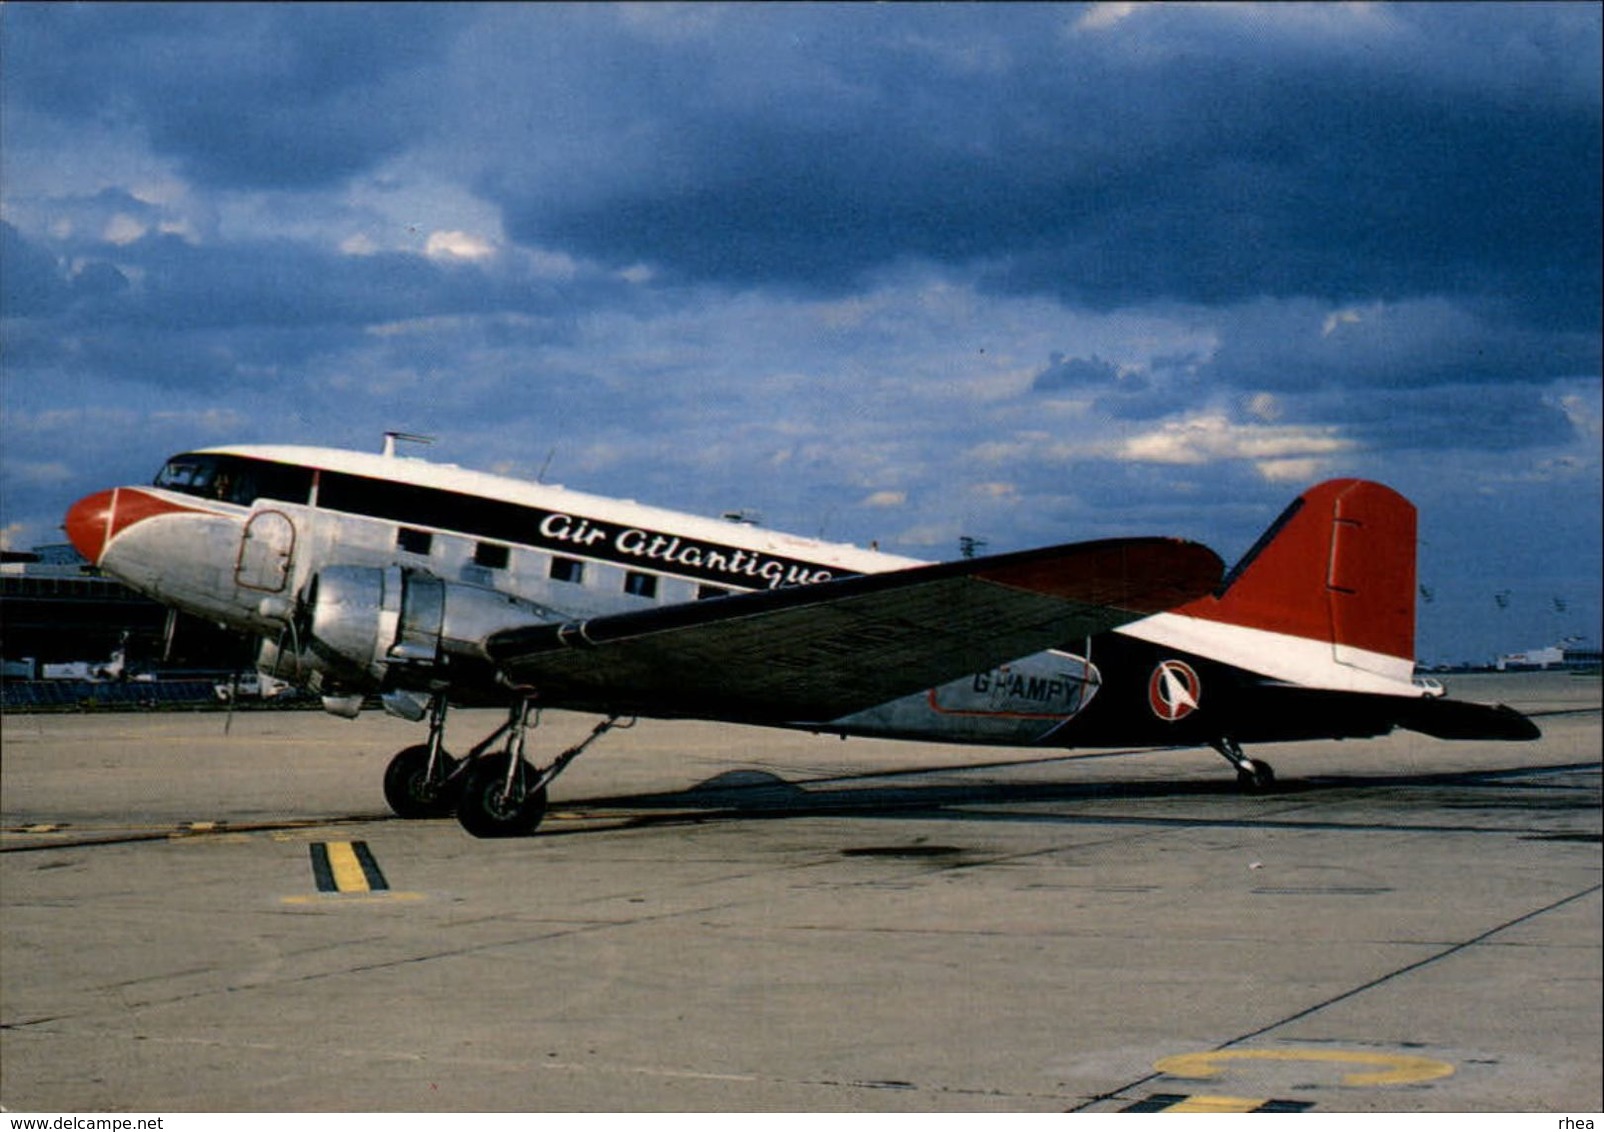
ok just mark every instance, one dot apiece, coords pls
pixel 240 536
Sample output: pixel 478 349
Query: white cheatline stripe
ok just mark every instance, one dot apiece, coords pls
pixel 1280 656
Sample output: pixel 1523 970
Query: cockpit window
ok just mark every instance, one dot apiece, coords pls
pixel 189 474
pixel 235 479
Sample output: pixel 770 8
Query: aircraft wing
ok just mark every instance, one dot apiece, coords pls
pixel 814 653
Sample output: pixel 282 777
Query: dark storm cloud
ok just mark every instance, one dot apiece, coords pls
pixel 241 95
pixel 1198 154
pixel 199 313
pixel 1473 418
pixel 1121 395
pixel 1376 346
pixel 1191 165
pixel 30 284
pixel 1075 373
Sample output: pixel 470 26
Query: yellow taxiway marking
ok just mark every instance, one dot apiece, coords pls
pixel 346 866
pixel 347 870
pixel 325 898
pixel 1389 1068
pixel 1180 1102
pixel 1216 1104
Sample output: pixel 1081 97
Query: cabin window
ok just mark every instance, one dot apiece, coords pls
pixel 703 592
pixel 490 555
pixel 567 569
pixel 639 584
pixel 414 541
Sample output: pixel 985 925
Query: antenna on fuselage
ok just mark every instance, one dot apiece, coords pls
pixel 410 437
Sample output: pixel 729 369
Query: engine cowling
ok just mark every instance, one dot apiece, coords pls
pixel 374 627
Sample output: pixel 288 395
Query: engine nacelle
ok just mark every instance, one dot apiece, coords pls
pixel 375 627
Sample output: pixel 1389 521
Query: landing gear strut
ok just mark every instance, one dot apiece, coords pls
pixel 502 794
pixel 422 781
pixel 1254 776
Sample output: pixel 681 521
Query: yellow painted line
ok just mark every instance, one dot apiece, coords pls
pixel 347 870
pixel 1389 1068
pixel 345 866
pixel 324 898
pixel 1218 1104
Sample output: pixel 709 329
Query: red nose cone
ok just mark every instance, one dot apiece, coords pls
pixel 89 524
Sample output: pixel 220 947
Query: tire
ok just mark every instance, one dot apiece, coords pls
pixel 485 810
pixel 409 791
pixel 1261 780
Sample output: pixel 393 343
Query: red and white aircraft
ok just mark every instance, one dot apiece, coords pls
pixel 427 584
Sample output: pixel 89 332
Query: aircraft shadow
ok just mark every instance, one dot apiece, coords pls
pixel 760 794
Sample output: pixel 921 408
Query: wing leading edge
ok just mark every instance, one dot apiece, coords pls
pixel 815 653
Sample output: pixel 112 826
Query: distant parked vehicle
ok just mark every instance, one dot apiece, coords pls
pixel 252 686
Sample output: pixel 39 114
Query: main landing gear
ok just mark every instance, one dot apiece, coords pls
pixel 423 781
pixel 1254 776
pixel 494 794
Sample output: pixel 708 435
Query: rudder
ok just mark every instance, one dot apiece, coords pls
pixel 1337 567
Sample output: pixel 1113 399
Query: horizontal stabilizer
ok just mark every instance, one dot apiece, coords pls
pixel 1462 719
pixel 817 652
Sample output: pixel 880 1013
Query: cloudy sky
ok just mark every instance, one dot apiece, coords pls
pixel 1031 273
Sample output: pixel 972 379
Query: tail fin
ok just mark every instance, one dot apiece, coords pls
pixel 1338 569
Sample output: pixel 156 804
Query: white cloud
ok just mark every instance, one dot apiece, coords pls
pixel 208 421
pixel 123 229
pixel 1336 319
pixel 1263 406
pixel 1292 471
pixel 1101 17
pixel 458 245
pixel 1583 411
pixel 359 244
pixel 1279 452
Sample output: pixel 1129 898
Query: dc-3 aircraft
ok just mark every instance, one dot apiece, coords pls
pixel 426 584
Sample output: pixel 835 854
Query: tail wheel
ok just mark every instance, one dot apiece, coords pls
pixel 1258 777
pixel 412 793
pixel 490 807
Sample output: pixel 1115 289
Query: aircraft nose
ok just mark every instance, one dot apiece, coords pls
pixel 89 524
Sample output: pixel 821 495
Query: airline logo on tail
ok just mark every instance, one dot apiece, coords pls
pixel 1174 691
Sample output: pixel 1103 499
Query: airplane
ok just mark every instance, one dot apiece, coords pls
pixel 429 585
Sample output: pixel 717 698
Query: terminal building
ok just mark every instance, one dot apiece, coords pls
pixel 1571 656
pixel 69 634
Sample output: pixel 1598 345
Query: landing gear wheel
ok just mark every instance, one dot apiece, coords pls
pixel 488 808
pixel 1257 777
pixel 410 792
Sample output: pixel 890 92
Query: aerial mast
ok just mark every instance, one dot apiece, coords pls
pixel 410 437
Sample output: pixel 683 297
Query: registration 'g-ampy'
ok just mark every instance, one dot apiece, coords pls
pixel 428 585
